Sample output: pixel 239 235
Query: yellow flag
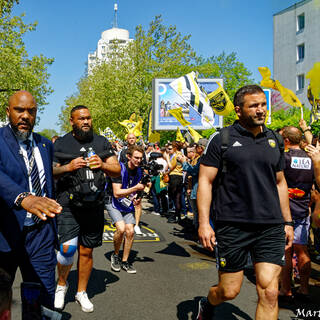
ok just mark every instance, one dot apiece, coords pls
pixel 287 95
pixel 220 101
pixel 179 136
pixel 133 126
pixel 195 135
pixel 154 137
pixel 266 81
pixel 177 113
pixel 314 76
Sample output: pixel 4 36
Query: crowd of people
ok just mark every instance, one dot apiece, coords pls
pixel 248 191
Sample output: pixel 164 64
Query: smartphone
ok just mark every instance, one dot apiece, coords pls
pixel 30 297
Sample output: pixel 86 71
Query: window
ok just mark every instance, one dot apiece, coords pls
pixel 300 82
pixel 300 22
pixel 300 52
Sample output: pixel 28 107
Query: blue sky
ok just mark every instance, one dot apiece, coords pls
pixel 69 29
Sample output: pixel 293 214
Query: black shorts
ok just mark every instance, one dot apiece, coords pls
pixel 265 242
pixel 86 224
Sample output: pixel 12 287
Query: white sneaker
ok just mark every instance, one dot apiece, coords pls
pixel 137 231
pixel 83 300
pixel 60 295
pixel 155 213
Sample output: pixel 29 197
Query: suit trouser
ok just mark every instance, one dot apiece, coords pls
pixel 36 258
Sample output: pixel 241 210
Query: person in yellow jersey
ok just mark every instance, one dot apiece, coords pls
pixel 176 178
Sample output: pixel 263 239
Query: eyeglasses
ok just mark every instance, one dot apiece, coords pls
pixel 170 148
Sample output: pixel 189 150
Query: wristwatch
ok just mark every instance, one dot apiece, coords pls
pixel 289 223
pixel 20 198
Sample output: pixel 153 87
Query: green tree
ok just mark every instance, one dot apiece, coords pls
pixel 48 133
pixel 18 71
pixel 123 85
pixel 289 117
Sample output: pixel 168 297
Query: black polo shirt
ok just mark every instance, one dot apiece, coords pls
pixel 248 191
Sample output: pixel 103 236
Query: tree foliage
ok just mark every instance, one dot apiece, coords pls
pixel 18 71
pixel 48 133
pixel 123 85
pixel 289 117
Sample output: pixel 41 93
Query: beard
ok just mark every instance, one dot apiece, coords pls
pixel 85 136
pixel 21 135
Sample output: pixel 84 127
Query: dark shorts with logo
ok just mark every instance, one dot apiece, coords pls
pixel 265 243
pixel 86 224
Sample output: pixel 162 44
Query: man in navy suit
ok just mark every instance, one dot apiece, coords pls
pixel 27 212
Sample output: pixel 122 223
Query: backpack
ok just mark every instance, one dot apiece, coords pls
pixel 85 188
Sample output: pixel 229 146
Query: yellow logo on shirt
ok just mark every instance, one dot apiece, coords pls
pixel 223 262
pixel 272 143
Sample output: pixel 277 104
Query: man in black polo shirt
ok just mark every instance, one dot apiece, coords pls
pixel 250 202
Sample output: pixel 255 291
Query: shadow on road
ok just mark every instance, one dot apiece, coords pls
pixel 98 283
pixel 174 249
pixel 132 258
pixel 226 311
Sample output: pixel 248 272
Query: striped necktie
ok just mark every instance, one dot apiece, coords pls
pixel 34 174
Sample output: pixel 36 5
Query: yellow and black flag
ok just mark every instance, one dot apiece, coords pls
pixel 220 101
pixel 188 89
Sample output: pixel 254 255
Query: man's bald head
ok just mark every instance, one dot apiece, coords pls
pixel 131 139
pixel 20 96
pixel 291 133
pixel 22 112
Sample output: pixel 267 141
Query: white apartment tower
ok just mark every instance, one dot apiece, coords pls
pixel 108 37
pixel 296 45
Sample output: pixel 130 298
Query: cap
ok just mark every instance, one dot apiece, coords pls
pixel 203 142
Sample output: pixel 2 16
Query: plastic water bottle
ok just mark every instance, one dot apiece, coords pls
pixel 90 154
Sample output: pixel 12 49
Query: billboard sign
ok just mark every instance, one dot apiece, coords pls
pixel 164 98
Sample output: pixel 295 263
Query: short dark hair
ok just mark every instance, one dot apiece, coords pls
pixel 133 148
pixel 238 99
pixel 5 291
pixel 293 134
pixel 77 107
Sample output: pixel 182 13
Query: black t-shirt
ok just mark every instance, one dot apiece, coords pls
pixel 248 191
pixel 68 144
pixel 299 175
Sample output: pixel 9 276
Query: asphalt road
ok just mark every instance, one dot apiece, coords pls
pixel 173 272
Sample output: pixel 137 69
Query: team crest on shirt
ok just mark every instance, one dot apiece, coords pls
pixel 223 262
pixel 272 143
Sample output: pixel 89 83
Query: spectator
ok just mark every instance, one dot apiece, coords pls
pixel 176 179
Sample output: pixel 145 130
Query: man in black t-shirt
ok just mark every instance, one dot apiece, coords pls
pixel 299 174
pixel 250 202
pixel 80 225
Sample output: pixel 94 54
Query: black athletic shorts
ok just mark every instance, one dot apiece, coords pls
pixel 86 224
pixel 265 242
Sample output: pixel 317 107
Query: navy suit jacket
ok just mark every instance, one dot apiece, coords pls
pixel 13 181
